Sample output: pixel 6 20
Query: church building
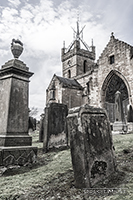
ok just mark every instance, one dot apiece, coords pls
pixel 85 80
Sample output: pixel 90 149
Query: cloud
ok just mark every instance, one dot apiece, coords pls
pixel 43 25
pixel 15 3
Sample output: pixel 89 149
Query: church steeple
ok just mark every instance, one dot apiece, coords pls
pixel 77 36
pixel 77 39
pixel 73 56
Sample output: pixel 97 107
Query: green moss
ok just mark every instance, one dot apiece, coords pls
pixel 52 177
pixel 122 142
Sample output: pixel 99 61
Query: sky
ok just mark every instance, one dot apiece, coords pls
pixel 43 25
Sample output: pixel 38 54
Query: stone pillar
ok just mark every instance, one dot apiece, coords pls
pixel 15 142
pixel 91 145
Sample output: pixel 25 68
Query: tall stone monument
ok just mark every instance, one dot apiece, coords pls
pixel 15 143
pixel 119 125
pixel 91 145
pixel 129 119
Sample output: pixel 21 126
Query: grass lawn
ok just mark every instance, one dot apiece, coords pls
pixel 51 177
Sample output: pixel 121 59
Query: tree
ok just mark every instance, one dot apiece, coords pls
pixel 33 111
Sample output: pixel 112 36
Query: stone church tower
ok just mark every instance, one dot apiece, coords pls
pixel 85 80
pixel 78 65
pixel 77 61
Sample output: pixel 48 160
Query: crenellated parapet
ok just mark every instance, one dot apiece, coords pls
pixel 78 58
pixel 77 51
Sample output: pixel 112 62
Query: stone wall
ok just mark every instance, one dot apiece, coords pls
pixel 67 94
pixel 73 60
pixel 58 91
pixel 80 63
pixel 69 64
pixel 122 66
pixel 71 97
pixel 90 78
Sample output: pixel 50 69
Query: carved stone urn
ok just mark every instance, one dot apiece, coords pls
pixel 16 48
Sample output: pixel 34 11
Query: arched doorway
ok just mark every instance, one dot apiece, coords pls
pixel 114 82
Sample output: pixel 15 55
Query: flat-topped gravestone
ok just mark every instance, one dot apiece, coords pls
pixel 15 143
pixel 91 145
pixel 55 134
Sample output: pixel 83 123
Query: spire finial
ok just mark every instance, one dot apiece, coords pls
pixel 78 16
pixel 77 36
pixel 92 42
pixel 112 35
pixel 64 44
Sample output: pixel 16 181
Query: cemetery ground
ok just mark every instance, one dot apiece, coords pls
pixel 51 177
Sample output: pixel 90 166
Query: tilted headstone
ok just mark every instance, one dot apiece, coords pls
pixel 91 145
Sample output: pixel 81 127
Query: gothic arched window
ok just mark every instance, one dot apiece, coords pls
pixel 69 73
pixel 88 87
pixel 52 94
pixel 85 66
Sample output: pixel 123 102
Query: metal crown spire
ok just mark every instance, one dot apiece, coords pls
pixel 79 37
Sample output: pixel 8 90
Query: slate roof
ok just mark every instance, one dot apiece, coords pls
pixel 70 83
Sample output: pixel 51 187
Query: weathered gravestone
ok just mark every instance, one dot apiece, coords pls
pixel 119 125
pixel 129 119
pixel 41 129
pixel 55 133
pixel 15 143
pixel 91 145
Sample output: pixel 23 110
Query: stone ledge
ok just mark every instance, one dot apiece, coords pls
pixel 16 63
pixel 14 70
pixel 19 155
pixel 119 127
pixel 15 140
